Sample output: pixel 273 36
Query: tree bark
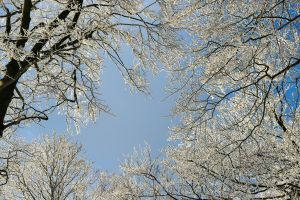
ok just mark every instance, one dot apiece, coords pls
pixel 14 69
pixel 7 87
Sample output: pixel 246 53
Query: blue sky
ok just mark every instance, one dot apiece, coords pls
pixel 137 119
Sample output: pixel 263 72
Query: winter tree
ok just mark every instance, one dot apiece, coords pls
pixel 52 53
pixel 238 136
pixel 236 70
pixel 52 168
pixel 239 103
pixel 243 63
pixel 10 150
pixel 201 170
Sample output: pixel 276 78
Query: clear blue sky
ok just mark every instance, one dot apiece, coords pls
pixel 138 119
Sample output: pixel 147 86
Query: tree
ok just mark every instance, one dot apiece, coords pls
pixel 239 97
pixel 238 104
pixel 10 149
pixel 52 52
pixel 235 66
pixel 52 168
pixel 242 54
pixel 199 169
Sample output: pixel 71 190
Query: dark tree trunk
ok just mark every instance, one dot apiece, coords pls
pixel 14 69
pixel 7 87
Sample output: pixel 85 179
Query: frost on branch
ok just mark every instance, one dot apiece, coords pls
pixel 236 73
pixel 52 54
pixel 51 168
pixel 214 165
pixel 239 98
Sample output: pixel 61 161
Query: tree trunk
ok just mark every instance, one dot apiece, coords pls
pixel 7 87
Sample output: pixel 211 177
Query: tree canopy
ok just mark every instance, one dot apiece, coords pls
pixel 52 53
pixel 234 66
